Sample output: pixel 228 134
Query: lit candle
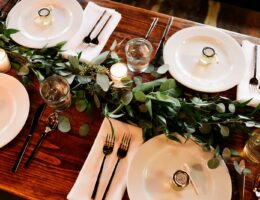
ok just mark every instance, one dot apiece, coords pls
pixel 207 56
pixel 4 62
pixel 117 72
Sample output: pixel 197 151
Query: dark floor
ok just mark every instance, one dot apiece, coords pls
pixel 242 16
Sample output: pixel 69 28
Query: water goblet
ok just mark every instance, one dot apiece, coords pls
pixel 138 52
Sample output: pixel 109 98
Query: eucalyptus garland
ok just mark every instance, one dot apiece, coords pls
pixel 158 106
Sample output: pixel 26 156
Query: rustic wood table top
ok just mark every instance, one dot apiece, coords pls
pixel 54 170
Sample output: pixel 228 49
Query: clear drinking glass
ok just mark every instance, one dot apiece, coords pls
pixel 138 52
pixel 55 90
pixel 252 147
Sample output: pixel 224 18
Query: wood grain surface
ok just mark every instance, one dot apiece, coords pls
pixel 56 166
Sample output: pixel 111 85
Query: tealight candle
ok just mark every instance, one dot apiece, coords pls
pixel 4 62
pixel 180 180
pixel 117 72
pixel 44 17
pixel 207 56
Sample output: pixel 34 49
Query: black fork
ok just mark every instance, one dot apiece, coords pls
pixel 107 149
pixel 121 153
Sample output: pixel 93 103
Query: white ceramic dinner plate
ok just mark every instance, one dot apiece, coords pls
pixel 14 108
pixel 183 51
pixel 152 168
pixel 67 17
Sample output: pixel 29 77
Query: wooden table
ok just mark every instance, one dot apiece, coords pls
pixel 57 164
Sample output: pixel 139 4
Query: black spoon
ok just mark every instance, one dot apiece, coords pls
pixel 87 39
pixel 95 40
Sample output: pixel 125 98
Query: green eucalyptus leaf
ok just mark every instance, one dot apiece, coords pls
pixel 103 81
pixel 84 130
pixel 64 124
pixel 74 61
pixel 149 107
pixel 247 172
pixel 70 78
pixel 138 80
pixel 114 55
pixel 163 69
pixel 81 105
pixel 167 85
pixel 213 163
pixel 224 130
pixel 100 58
pixel 10 31
pixel 113 46
pixel 127 98
pixel 173 136
pixel 161 119
pixel 237 167
pixel 220 107
pixel 63 72
pixel 83 79
pixel 226 153
pixel 140 96
pixel 96 100
pixel 250 124
pixel 129 110
pixel 127 81
pixel 149 69
pixel 111 115
pixel 149 85
pixel 232 108
pixel 24 70
pixel 38 74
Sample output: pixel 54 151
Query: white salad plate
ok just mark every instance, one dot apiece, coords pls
pixel 151 170
pixel 14 108
pixel 183 51
pixel 66 20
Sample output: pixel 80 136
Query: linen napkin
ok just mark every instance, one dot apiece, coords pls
pixel 82 189
pixel 244 92
pixel 91 14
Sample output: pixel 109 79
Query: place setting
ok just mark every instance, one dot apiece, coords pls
pixel 150 138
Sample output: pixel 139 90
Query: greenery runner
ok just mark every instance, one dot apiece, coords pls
pixel 158 106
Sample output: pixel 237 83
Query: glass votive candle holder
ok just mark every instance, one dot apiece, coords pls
pixel 207 55
pixel 252 147
pixel 55 91
pixel 138 52
pixel 44 17
pixel 180 180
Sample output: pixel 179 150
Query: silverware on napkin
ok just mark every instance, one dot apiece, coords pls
pixel 34 122
pixel 88 39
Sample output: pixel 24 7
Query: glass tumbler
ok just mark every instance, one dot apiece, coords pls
pixel 252 147
pixel 55 91
pixel 138 52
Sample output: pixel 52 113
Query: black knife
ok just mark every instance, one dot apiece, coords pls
pixel 241 181
pixel 34 122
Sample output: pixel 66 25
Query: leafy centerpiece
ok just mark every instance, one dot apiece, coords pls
pixel 158 106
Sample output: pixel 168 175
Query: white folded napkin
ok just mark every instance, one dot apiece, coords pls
pixel 91 15
pixel 82 189
pixel 244 92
